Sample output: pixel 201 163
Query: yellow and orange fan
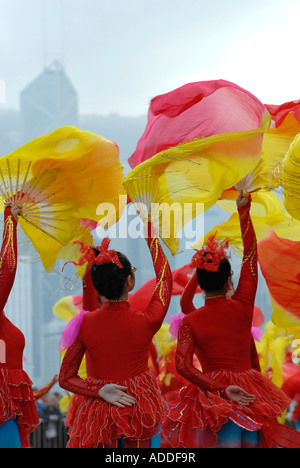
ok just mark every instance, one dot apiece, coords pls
pixel 289 177
pixel 200 140
pixel 267 175
pixel 57 180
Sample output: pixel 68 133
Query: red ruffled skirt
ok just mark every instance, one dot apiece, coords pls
pixel 7 406
pixel 196 416
pixel 17 401
pixel 93 423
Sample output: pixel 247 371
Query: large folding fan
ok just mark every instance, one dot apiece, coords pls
pixel 57 180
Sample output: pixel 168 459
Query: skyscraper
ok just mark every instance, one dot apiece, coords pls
pixel 48 102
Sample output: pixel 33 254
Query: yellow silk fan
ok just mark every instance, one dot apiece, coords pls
pixel 57 180
pixel 178 184
pixel 290 178
pixel 276 141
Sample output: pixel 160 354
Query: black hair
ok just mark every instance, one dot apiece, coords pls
pixel 214 280
pixel 109 279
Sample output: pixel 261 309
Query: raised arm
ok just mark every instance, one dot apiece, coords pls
pixel 8 254
pixel 89 294
pixel 247 285
pixel 186 300
pixel 159 304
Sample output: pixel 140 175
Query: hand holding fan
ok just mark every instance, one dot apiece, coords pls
pixel 56 180
pixel 285 126
pixel 200 140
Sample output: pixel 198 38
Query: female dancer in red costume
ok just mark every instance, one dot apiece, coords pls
pixel 116 341
pixel 18 413
pixel 229 403
pixel 91 300
pixel 187 306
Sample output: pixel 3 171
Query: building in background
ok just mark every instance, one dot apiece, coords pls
pixel 48 102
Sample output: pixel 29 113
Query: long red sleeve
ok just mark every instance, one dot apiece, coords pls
pixel 186 300
pixel 8 257
pixel 68 375
pixel 159 304
pixel 246 290
pixel 247 286
pixel 184 360
pixel 89 293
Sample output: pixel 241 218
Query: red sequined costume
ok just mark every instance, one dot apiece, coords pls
pixel 16 394
pixel 116 340
pixel 219 333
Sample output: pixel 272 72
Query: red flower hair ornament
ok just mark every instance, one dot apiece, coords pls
pixel 89 255
pixel 210 256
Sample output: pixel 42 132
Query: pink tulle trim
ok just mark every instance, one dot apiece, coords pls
pixel 70 332
pixel 175 321
pixel 257 333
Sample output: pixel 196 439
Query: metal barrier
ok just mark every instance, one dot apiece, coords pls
pixel 50 434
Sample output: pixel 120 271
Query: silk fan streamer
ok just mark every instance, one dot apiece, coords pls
pixel 200 140
pixel 273 350
pixel 290 180
pixel 276 141
pixel 279 260
pixel 267 210
pixel 57 179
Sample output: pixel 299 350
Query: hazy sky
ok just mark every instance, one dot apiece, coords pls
pixel 121 53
